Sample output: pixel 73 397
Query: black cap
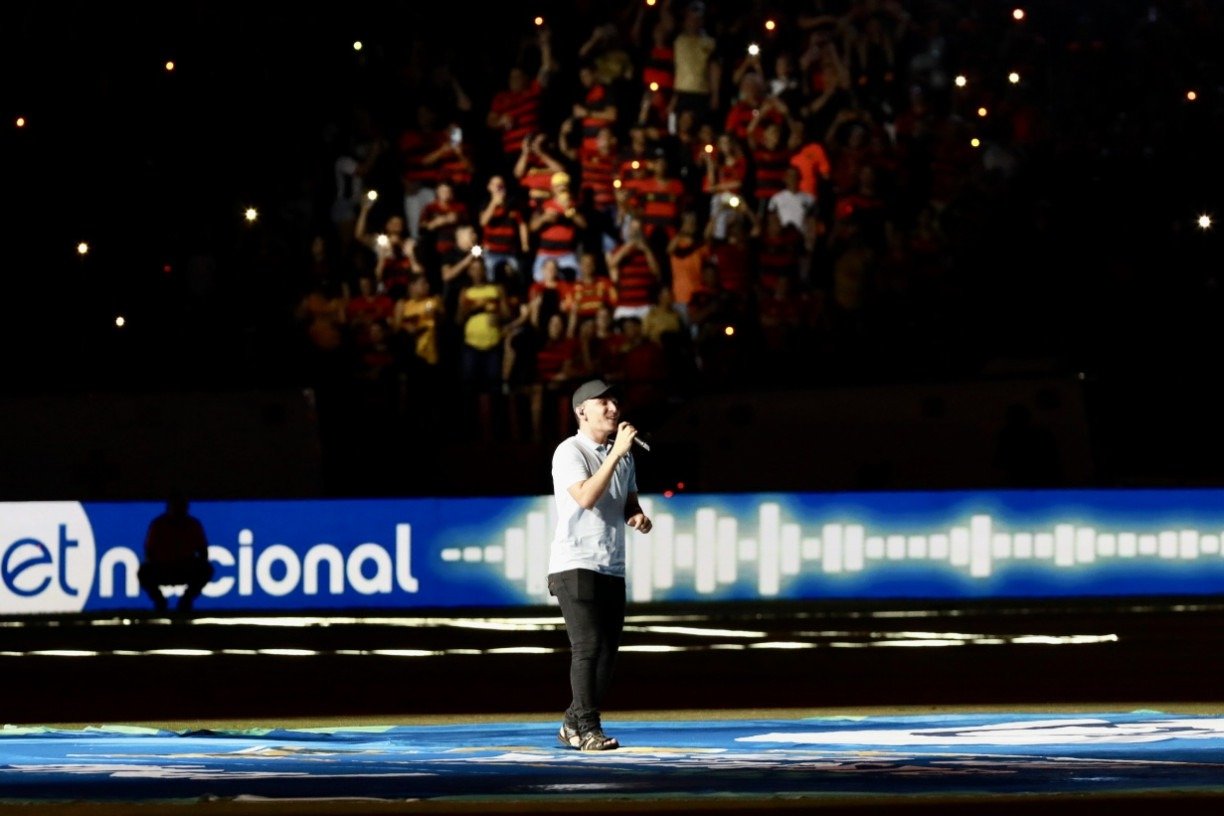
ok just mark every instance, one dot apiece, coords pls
pixel 590 390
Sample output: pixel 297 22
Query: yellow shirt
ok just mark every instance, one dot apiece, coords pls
pixel 660 321
pixel 482 329
pixel 422 315
pixel 692 58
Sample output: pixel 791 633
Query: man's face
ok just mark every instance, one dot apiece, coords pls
pixel 601 413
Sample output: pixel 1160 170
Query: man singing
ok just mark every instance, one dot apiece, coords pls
pixel 595 485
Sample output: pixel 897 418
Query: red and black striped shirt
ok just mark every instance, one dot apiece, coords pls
pixel 456 169
pixel 561 236
pixel 778 257
pixel 501 233
pixel 444 236
pixel 660 67
pixel 635 283
pixel 552 357
pixel 523 108
pixel 597 100
pixel 597 172
pixel 629 172
pixel 414 146
pixel 588 297
pixel 658 201
pixel 769 171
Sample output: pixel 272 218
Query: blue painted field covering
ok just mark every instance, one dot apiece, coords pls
pixel 881 756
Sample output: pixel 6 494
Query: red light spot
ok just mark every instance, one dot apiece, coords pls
pixel 167 269
pixel 679 485
pixel 667 494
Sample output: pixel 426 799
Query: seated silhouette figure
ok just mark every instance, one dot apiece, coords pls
pixel 175 554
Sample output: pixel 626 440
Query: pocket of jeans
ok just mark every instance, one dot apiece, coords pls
pixel 584 585
pixel 576 584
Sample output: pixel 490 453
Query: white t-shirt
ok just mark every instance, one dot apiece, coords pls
pixel 792 208
pixel 589 539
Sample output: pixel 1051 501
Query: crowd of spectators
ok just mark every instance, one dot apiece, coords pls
pixel 675 197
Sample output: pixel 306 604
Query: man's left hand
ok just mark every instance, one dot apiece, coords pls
pixel 639 522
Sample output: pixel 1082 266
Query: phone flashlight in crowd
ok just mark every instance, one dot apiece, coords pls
pixel 456 136
pixel 539 21
pixel 383 241
pixel 733 202
pixel 654 86
pixel 754 50
pixel 372 195
pixel 709 148
pixel 477 251
pixel 251 215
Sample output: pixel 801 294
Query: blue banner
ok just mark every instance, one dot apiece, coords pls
pixel 58 557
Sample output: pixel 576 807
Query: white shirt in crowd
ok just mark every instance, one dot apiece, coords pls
pixel 792 208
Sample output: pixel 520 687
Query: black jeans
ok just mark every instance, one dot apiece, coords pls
pixel 195 574
pixel 593 606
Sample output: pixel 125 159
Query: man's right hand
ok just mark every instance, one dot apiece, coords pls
pixel 625 434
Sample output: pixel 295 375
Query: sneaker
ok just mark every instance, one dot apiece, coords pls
pixel 569 737
pixel 597 740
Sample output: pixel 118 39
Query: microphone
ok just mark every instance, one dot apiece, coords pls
pixel 641 443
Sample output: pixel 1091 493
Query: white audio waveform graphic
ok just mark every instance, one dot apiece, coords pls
pixel 713 550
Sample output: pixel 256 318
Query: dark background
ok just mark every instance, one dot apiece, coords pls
pixel 1089 267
